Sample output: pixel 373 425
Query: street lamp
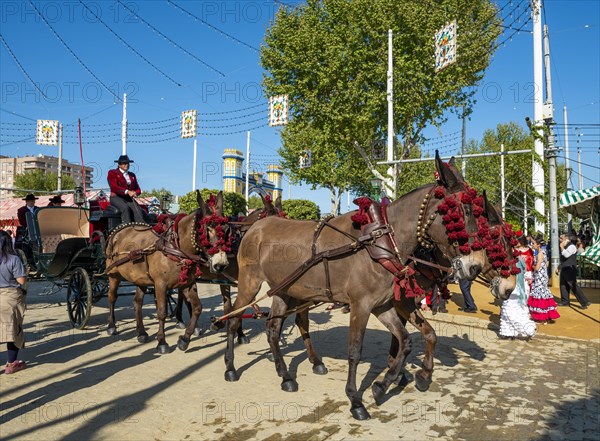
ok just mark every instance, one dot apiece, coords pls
pixel 78 196
pixel 376 185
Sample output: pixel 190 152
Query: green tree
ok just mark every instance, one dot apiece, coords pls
pixel 233 203
pixel 330 58
pixel 484 173
pixel 255 202
pixel 301 209
pixel 40 181
pixel 157 192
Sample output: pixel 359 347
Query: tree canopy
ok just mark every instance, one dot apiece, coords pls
pixel 301 209
pixel 40 181
pixel 233 203
pixel 330 57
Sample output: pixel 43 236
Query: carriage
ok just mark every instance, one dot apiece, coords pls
pixel 65 246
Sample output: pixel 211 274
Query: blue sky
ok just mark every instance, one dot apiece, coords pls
pixel 224 35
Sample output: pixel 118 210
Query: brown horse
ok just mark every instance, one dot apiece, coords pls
pixel 136 253
pixel 231 271
pixel 427 277
pixel 359 280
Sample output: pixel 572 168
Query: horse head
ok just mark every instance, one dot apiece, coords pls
pixel 212 233
pixel 468 230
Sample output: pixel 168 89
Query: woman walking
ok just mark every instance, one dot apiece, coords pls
pixel 12 303
pixel 541 302
pixel 514 314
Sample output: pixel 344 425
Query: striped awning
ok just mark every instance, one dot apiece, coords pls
pixel 580 203
pixel 592 253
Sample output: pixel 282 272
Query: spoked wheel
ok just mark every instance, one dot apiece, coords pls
pixel 79 298
pixel 99 289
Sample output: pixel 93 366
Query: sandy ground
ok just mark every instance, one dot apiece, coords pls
pixel 88 385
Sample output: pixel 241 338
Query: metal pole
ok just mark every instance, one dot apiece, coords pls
pixel 194 169
pixel 390 130
pixel 502 181
pixel 247 168
pixel 60 148
pixel 525 214
pixel 579 175
pixel 551 154
pixel 567 161
pixel 537 177
pixel 124 126
pixel 464 144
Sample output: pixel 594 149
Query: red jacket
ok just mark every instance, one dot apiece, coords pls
pixel 118 184
pixel 21 214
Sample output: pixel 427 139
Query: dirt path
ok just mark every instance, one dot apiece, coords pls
pixel 88 385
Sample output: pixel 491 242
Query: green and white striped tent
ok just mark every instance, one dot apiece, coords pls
pixel 585 204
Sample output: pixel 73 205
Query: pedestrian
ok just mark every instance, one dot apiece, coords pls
pixel 56 201
pixel 28 207
pixel 542 306
pixel 580 247
pixel 124 188
pixel 465 289
pixel 12 303
pixel 568 272
pixel 514 314
pixel 438 300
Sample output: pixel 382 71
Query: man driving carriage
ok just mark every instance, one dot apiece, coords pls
pixel 124 188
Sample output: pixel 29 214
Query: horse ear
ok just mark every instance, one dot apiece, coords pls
pixel 490 212
pixel 201 204
pixel 267 203
pixel 494 215
pixel 452 162
pixel 449 179
pixel 219 203
pixel 278 203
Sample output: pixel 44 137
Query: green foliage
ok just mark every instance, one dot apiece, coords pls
pixel 40 181
pixel 233 203
pixel 255 202
pixel 330 58
pixel 157 192
pixel 484 173
pixel 301 209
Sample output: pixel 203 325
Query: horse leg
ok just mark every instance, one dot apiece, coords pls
pixel 226 293
pixel 389 318
pixel 423 376
pixel 359 316
pixel 160 292
pixel 303 323
pixel 248 287
pixel 113 287
pixel 192 298
pixel 142 335
pixel 274 322
pixel 179 311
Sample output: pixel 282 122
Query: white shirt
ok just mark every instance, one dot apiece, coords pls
pixel 126 176
pixel 569 251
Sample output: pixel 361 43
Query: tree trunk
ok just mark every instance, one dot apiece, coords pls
pixel 336 195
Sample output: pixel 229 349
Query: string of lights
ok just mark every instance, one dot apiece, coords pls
pixel 134 50
pixel 174 43
pixel 18 63
pixel 72 52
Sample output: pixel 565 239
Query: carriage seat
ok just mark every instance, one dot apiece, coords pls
pixel 56 224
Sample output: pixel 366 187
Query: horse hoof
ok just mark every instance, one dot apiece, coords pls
pixel 289 386
pixel 111 331
pixel 360 413
pixel 197 332
pixel 215 326
pixel 162 349
pixel 320 369
pixel 378 392
pixel 143 338
pixel 270 357
pixel 401 380
pixel 180 325
pixel 182 344
pixel 421 383
pixel 243 340
pixel 231 376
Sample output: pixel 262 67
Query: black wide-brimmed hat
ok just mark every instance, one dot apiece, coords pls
pixel 123 159
pixel 30 197
pixel 57 200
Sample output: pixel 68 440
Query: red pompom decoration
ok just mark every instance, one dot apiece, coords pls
pixel 514 270
pixel 505 273
pixel 443 208
pixel 465 249
pixel 451 202
pixel 439 193
pixel 476 245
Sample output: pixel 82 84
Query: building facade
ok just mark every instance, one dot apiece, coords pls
pixel 10 167
pixel 234 177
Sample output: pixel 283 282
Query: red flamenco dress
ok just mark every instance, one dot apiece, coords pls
pixel 542 306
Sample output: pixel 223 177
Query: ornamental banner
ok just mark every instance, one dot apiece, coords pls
pixel 47 132
pixel 305 159
pixel 278 110
pixel 445 46
pixel 188 123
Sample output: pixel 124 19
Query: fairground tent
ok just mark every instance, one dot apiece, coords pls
pixel 585 204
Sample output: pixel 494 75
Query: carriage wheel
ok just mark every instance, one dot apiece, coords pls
pixel 79 298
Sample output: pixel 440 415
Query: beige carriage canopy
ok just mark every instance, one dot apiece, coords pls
pixel 585 204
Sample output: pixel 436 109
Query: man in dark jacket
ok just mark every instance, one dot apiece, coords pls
pixel 28 207
pixel 568 272
pixel 124 188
